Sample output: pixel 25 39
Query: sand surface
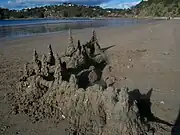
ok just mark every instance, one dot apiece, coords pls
pixel 146 55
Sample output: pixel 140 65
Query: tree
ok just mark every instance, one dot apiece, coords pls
pixel 65 14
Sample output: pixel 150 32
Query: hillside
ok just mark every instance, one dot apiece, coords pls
pixel 158 8
pixel 64 10
pixel 144 8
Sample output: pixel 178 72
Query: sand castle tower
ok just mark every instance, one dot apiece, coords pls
pixel 95 41
pixel 124 116
pixel 70 48
pixel 51 59
pixel 73 81
pixel 44 69
pixel 37 62
pixel 79 48
pixel 57 72
pixel 25 72
pixel 94 37
pixel 35 55
pixel 92 75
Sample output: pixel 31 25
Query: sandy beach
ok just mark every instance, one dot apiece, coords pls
pixel 147 55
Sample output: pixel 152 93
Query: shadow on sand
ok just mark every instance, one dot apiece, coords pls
pixel 176 129
pixel 144 106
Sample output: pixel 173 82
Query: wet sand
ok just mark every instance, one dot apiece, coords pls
pixel 146 55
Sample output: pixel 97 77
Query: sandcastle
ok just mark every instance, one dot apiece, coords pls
pixel 70 86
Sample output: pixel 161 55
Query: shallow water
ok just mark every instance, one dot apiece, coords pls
pixel 21 28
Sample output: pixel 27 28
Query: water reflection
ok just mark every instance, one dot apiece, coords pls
pixel 28 30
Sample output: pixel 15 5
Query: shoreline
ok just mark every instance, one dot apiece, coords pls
pixel 65 29
pixel 109 17
pixel 74 18
pixel 40 23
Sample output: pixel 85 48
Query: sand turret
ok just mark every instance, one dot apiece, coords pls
pixel 78 48
pixel 92 75
pixel 70 38
pixel 25 72
pixel 57 75
pixel 35 55
pixel 44 69
pixel 70 48
pixel 94 37
pixel 73 81
pixel 37 62
pixel 51 59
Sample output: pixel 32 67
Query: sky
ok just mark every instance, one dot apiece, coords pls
pixel 19 4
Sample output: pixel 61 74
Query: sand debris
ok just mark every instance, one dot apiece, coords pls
pixel 63 116
pixel 162 102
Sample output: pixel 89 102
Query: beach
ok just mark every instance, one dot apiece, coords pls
pixel 146 55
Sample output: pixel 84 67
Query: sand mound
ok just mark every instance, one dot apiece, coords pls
pixel 71 86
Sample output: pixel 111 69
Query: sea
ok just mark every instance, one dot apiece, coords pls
pixel 10 29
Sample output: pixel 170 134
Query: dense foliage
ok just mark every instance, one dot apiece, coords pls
pixel 158 8
pixel 64 10
pixel 144 8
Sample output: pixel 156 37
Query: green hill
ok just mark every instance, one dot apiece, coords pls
pixel 64 10
pixel 158 8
